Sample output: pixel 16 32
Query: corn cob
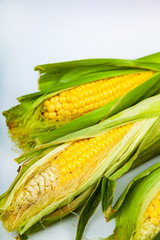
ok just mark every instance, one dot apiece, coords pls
pixel 80 156
pixel 138 214
pixel 85 98
pixel 63 174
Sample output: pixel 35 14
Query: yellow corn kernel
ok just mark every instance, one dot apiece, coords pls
pixel 52 115
pixel 46 114
pixel 58 106
pixel 155 221
pixel 67 113
pixel 64 170
pixel 75 112
pixel 46 103
pixel 51 107
pixel 62 99
pixel 153 214
pixel 72 166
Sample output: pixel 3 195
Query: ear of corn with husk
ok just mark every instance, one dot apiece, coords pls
pixel 137 209
pixel 145 109
pixel 61 84
pixel 59 178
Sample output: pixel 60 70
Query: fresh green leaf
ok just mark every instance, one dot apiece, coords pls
pixel 88 210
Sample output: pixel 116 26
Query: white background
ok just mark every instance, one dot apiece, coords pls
pixel 36 32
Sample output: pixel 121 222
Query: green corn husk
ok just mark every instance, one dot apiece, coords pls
pixel 129 210
pixel 120 159
pixel 28 127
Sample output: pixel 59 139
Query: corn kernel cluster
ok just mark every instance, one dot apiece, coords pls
pixel 85 98
pixel 151 224
pixel 69 165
